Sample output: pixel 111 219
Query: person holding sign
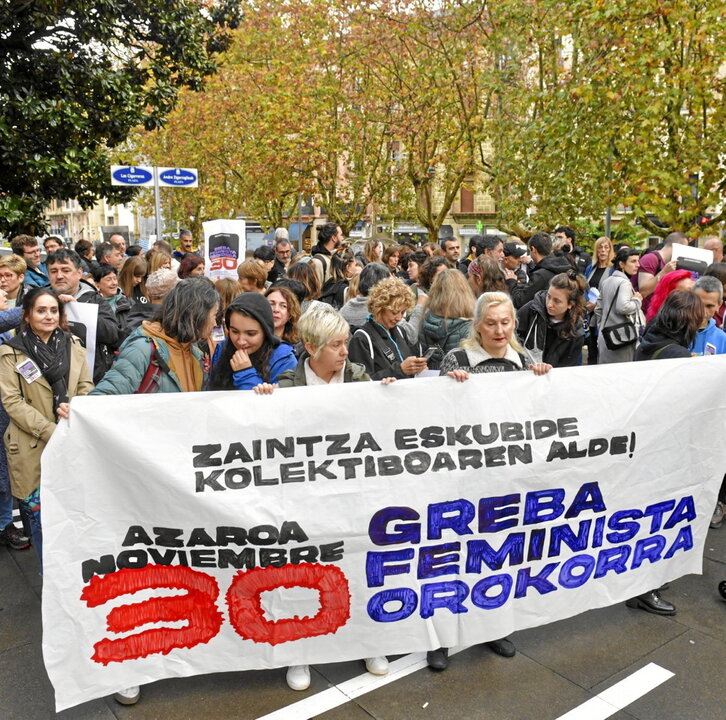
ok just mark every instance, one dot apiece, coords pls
pixel 41 369
pixel 324 333
pixel 252 354
pixel 491 347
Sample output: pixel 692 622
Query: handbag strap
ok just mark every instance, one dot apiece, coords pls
pixel 612 304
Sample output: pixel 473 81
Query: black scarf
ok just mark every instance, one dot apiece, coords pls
pixel 52 358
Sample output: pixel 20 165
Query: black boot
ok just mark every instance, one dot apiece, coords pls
pixel 504 647
pixel 652 602
pixel 438 659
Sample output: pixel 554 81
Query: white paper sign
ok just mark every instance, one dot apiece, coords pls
pixel 224 247
pixel 407 517
pixel 83 322
pixel 691 253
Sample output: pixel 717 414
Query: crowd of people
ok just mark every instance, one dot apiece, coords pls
pixel 389 312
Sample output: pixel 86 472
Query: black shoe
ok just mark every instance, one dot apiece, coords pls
pixel 504 647
pixel 438 659
pixel 652 602
pixel 11 536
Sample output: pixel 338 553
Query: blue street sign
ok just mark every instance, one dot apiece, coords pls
pixel 131 175
pixel 178 177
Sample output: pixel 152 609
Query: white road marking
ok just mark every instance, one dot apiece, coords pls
pixel 620 695
pixel 600 707
pixel 338 695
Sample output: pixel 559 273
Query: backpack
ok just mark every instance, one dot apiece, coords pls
pixel 152 377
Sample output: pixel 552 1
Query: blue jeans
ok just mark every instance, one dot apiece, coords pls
pixel 30 511
pixel 6 497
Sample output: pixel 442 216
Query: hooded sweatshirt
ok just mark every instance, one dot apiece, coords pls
pixel 656 342
pixel 710 340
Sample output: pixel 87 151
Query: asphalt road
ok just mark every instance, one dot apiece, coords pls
pixel 610 663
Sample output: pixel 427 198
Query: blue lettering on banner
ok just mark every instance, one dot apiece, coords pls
pixel 486 573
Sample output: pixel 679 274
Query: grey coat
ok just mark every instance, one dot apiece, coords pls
pixel 617 289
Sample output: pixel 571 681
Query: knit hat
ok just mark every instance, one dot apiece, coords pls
pixel 258 307
pixel 160 282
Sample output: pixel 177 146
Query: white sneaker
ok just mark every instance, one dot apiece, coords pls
pixel 377 665
pixel 128 696
pixel 298 677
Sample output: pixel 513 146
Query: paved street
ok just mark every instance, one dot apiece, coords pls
pixel 558 668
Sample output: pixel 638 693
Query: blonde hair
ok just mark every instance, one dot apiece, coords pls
pixel 157 260
pixel 388 294
pixel 486 301
pixel 15 263
pixel 252 270
pixel 601 241
pixel 450 296
pixel 320 325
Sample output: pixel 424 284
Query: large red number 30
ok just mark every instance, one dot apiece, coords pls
pixel 198 607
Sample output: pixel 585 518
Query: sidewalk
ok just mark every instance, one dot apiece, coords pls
pixel 558 667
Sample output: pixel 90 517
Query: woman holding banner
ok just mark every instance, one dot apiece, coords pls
pixel 324 334
pixel 490 347
pixel 41 369
pixel 161 357
pixel 252 354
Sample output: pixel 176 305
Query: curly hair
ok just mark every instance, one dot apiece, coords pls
pixel 390 294
pixel 289 332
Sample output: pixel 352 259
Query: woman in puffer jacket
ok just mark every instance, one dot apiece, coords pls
pixel 447 319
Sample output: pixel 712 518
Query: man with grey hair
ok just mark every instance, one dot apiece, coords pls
pixel 710 340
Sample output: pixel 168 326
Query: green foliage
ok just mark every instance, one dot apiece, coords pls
pixel 77 77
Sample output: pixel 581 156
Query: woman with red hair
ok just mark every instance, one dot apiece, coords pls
pixel 674 280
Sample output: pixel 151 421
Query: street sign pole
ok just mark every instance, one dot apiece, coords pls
pixel 157 204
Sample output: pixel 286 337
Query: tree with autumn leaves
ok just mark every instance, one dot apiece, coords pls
pixel 556 109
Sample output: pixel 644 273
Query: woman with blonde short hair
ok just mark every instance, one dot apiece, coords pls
pixel 12 276
pixel 491 347
pixel 324 334
pixel 380 344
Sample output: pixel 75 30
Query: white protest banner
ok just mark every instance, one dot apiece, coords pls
pixel 224 246
pixel 329 523
pixel 83 322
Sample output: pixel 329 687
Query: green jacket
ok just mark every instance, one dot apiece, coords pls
pixel 130 366
pixel 353 372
